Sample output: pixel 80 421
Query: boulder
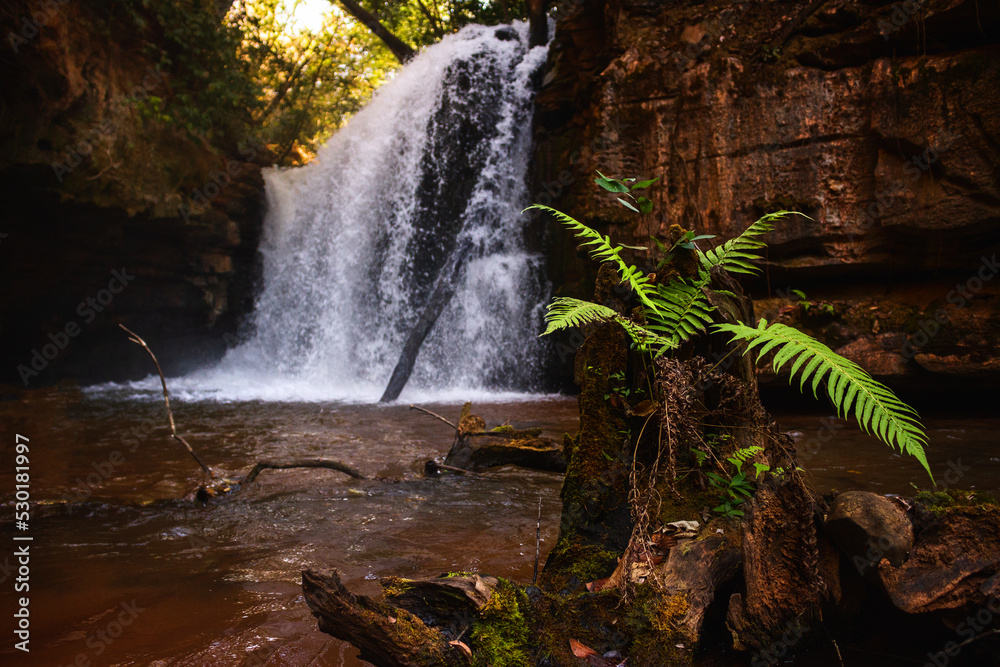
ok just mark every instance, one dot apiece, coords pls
pixel 868 527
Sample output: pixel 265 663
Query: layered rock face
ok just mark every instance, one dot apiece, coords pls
pixel 878 121
pixel 111 214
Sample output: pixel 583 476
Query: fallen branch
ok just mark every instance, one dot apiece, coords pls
pixel 433 414
pixel 302 463
pixel 432 468
pixel 134 337
pixel 386 635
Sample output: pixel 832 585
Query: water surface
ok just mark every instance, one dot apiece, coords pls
pixel 219 585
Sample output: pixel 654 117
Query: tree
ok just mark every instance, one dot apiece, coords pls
pixel 399 48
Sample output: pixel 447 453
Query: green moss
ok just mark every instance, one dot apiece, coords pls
pixel 501 637
pixel 573 556
pixel 395 586
pixel 654 621
pixel 941 502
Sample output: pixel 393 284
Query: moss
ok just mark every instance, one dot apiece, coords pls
pixel 502 637
pixel 942 502
pixel 506 428
pixel 573 557
pixel 395 586
pixel 593 619
pixel 654 621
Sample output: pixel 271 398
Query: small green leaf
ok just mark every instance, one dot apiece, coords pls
pixel 627 205
pixel 645 184
pixel 610 184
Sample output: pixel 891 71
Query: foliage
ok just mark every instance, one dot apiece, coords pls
pixel 251 76
pixel 877 409
pixel 604 251
pixel 680 309
pixel 423 22
pixel 736 254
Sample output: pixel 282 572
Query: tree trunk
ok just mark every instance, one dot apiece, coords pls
pixel 538 22
pixel 444 289
pixel 399 48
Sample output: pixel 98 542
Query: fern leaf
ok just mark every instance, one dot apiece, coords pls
pixel 565 313
pixel 736 255
pixel 683 311
pixel 604 251
pixel 878 410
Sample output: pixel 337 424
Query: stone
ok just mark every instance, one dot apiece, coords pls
pixel 891 157
pixel 868 527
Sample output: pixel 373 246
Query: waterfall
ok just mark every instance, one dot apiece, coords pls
pixel 354 241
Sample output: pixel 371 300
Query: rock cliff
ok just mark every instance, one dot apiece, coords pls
pixel 879 121
pixel 111 212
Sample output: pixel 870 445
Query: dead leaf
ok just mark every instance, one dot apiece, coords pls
pixel 579 650
pixel 597 585
pixel 391 619
pixel 462 647
pixel 644 409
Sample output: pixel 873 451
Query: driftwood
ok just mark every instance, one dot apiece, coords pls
pixel 386 635
pixel 447 603
pixel 433 414
pixel 475 449
pixel 301 463
pixel 220 484
pixel 482 451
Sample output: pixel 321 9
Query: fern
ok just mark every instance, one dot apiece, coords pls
pixel 736 254
pixel 603 250
pixel 565 312
pixel 683 311
pixel 878 410
pixel 741 455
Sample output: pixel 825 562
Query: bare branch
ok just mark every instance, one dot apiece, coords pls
pixel 432 414
pixel 301 463
pixel 134 337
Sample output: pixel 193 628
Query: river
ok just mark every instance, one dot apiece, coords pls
pixel 219 584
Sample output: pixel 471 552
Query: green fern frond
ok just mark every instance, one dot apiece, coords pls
pixel 565 312
pixel 683 311
pixel 736 255
pixel 744 453
pixel 878 410
pixel 604 251
pixel 646 340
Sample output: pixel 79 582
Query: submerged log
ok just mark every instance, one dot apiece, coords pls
pixel 475 449
pixel 386 635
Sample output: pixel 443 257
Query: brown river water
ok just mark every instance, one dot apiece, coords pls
pixel 133 575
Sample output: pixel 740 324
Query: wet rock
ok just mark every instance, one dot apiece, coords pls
pixel 953 567
pixel 868 527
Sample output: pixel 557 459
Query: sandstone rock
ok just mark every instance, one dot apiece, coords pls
pixel 868 527
pixel 953 568
pixel 743 108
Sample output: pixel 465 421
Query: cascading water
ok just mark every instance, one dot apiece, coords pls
pixel 355 240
